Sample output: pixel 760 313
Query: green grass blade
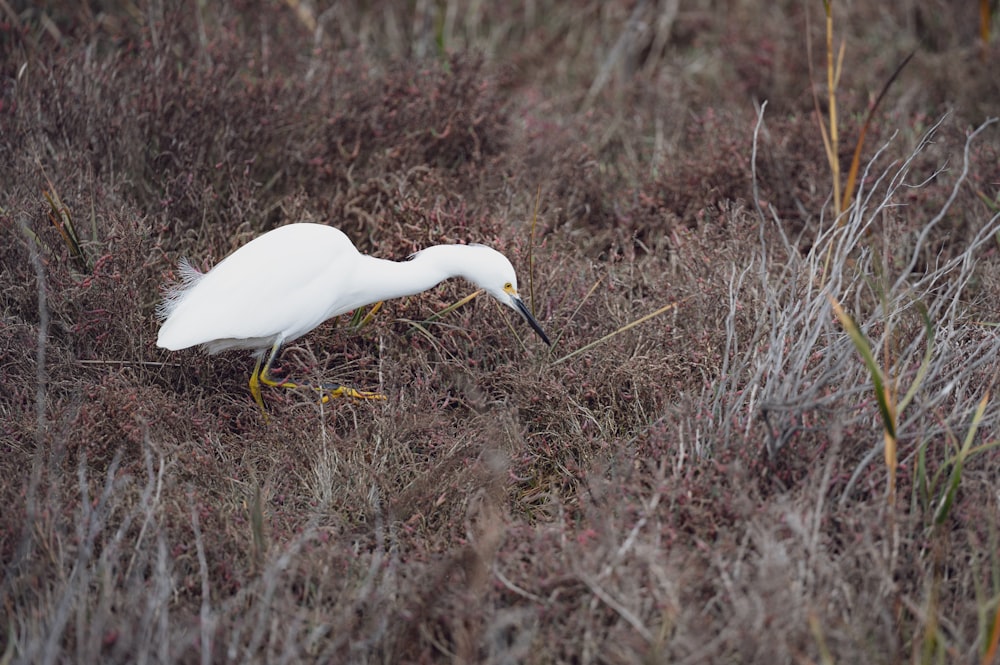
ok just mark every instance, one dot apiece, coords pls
pixel 864 349
pixel 948 499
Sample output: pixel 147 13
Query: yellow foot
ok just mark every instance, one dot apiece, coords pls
pixel 333 391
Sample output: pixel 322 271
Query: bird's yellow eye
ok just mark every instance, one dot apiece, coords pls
pixel 509 288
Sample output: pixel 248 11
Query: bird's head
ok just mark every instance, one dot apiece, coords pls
pixel 492 271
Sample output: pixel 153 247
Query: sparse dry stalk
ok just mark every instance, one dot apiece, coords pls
pixel 832 77
pixel 842 196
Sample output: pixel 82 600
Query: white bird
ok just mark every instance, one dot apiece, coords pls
pixel 282 284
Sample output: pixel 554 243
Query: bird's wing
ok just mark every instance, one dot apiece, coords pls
pixel 265 288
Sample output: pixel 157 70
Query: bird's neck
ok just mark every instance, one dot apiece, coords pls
pixel 427 269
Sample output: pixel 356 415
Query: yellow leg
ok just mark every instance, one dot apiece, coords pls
pixel 262 376
pixel 255 386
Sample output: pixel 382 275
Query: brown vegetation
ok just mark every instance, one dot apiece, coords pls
pixel 708 486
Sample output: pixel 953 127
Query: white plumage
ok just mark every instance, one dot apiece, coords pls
pixel 286 282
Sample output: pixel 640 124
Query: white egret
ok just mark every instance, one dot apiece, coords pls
pixel 287 281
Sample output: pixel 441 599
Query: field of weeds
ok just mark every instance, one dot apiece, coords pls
pixel 789 457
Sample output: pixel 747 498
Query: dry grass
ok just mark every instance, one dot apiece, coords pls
pixel 709 485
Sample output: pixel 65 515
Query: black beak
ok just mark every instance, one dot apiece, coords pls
pixel 523 310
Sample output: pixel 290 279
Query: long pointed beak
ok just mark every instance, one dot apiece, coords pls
pixel 523 311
